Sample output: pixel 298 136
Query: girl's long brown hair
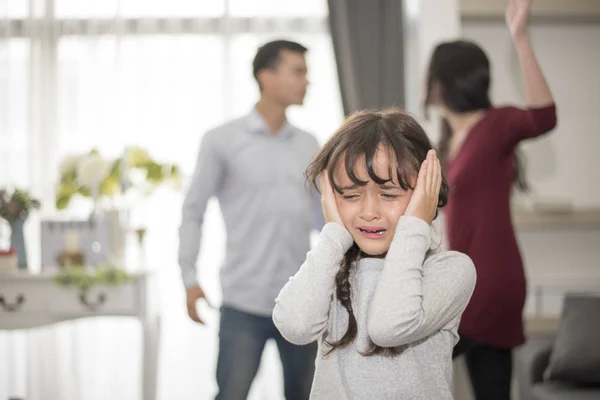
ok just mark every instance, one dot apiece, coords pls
pixel 358 140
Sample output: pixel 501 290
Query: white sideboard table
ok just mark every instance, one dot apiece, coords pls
pixel 34 300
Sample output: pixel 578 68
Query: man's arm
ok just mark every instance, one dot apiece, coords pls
pixel 205 182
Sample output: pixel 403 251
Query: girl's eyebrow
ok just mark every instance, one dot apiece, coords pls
pixel 351 187
pixel 387 186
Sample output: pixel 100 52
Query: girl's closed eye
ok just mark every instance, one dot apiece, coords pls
pixel 393 193
pixel 351 196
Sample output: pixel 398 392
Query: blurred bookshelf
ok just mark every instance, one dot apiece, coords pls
pixel 569 219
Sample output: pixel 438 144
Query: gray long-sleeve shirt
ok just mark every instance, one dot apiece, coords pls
pixel 408 300
pixel 268 209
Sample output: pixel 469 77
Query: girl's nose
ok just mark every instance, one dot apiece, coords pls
pixel 370 209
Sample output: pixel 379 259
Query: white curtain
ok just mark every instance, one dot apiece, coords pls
pixel 82 74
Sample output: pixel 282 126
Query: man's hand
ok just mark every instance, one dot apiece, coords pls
pixel 425 198
pixel 194 294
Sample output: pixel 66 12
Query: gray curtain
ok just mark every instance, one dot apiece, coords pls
pixel 368 43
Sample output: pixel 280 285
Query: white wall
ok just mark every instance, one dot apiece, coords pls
pixel 427 22
pixel 559 165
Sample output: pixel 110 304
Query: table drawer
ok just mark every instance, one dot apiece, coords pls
pixel 23 297
pixel 99 299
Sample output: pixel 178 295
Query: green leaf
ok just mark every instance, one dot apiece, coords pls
pixel 110 186
pixel 79 277
pixel 85 192
pixel 154 172
pixel 62 202
pixel 69 177
pixel 115 169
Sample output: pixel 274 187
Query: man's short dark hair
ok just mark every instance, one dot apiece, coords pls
pixel 267 56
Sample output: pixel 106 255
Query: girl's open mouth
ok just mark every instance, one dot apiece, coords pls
pixel 372 232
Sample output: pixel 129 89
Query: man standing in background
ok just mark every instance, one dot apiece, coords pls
pixel 254 165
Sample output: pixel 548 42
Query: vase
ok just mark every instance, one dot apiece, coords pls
pixel 17 241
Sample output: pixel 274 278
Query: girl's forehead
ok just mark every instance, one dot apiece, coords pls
pixel 383 164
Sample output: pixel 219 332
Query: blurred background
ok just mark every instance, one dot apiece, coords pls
pixel 144 79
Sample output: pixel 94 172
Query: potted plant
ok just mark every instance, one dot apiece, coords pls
pixel 15 207
pixel 116 186
pixel 104 180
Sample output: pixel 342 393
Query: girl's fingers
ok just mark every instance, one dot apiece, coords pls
pixel 438 186
pixel 431 157
pixel 325 182
pixel 422 176
pixel 436 175
pixel 326 188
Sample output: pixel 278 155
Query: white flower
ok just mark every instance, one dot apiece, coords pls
pixel 92 169
pixel 136 176
pixel 69 163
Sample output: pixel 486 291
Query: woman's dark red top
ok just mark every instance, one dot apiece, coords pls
pixel 478 221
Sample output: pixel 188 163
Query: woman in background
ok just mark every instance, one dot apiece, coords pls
pixel 478 151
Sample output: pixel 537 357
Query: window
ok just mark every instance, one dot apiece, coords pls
pixel 152 73
pixel 14 98
pixel 82 74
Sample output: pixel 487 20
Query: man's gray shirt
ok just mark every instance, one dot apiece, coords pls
pixel 268 209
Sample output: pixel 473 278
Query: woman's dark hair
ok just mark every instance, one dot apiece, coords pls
pixel 459 78
pixel 358 140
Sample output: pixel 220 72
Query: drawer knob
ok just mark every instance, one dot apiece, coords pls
pixel 12 307
pixel 90 304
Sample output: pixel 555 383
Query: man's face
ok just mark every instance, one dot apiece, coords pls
pixel 287 82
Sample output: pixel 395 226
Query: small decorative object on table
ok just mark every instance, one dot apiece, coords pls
pixel 71 253
pixel 15 206
pixel 81 242
pixel 8 261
